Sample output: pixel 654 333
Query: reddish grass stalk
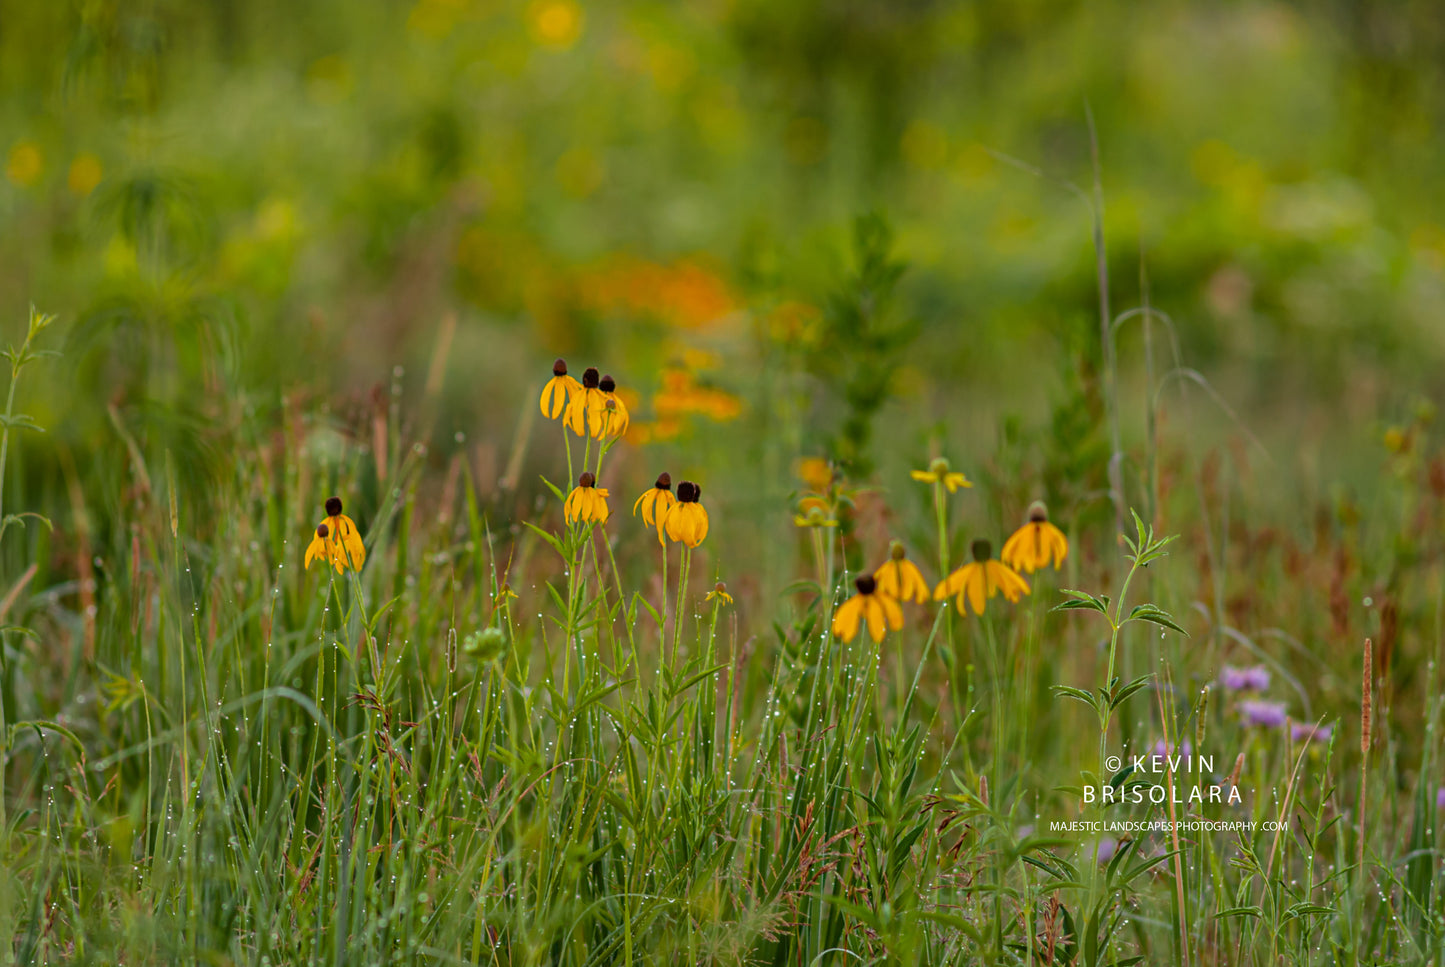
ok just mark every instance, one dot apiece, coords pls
pixel 1366 686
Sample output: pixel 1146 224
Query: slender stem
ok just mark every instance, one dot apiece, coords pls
pixel 4 666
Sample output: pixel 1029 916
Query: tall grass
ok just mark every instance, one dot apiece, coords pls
pixel 513 740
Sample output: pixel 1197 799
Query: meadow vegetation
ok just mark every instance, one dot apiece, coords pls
pixel 559 484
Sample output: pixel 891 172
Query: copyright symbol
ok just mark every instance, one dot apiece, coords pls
pixel 1113 763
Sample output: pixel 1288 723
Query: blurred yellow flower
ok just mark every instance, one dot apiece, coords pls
pixel 719 593
pixel 815 511
pixel 680 394
pixel 981 579
pixel 587 502
pixel 85 174
pixel 559 389
pixel 337 540
pixel 25 165
pixel 939 470
pixel 687 522
pixel 816 474
pixel 900 578
pixel 555 23
pixel 684 295
pixel 1033 544
pixel 879 611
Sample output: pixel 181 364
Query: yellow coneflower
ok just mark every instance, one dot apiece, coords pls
pixel 880 611
pixel 687 522
pixel 815 511
pixel 1033 544
pixel 939 470
pixel 559 389
pixel 609 421
pixel 324 548
pixel 900 578
pixel 610 417
pixel 980 579
pixel 586 502
pixel 656 501
pixel 719 593
pixel 586 398
pixel 337 539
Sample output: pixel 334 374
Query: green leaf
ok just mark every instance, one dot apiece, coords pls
pixel 1156 615
pixel 638 598
pixel 1078 693
pixel 553 487
pixel 1083 600
pixel 547 536
pixel 20 519
pixel 1122 694
pixel 1307 910
pixel 20 421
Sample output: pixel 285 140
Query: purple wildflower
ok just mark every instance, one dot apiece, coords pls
pixel 1105 849
pixel 1269 715
pixel 1255 679
pixel 1440 798
pixel 1162 749
pixel 1299 731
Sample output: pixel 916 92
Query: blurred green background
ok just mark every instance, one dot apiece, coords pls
pixel 239 207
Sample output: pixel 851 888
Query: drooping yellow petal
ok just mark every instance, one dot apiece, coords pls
pixel 951 585
pixel 675 521
pixel 892 612
pixel 350 548
pixel 1058 544
pixel 575 416
pixel 700 524
pixel 914 586
pixel 1013 550
pixel 849 614
pixel 317 548
pixel 1003 578
pixel 924 476
pixel 554 399
pixel 873 614
pixel 888 578
pixel 975 585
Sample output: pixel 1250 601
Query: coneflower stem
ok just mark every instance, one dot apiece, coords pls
pixel 617 578
pixel 567 445
pixel 677 622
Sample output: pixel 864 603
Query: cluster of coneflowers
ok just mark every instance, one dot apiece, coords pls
pixel 592 409
pixel 877 603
